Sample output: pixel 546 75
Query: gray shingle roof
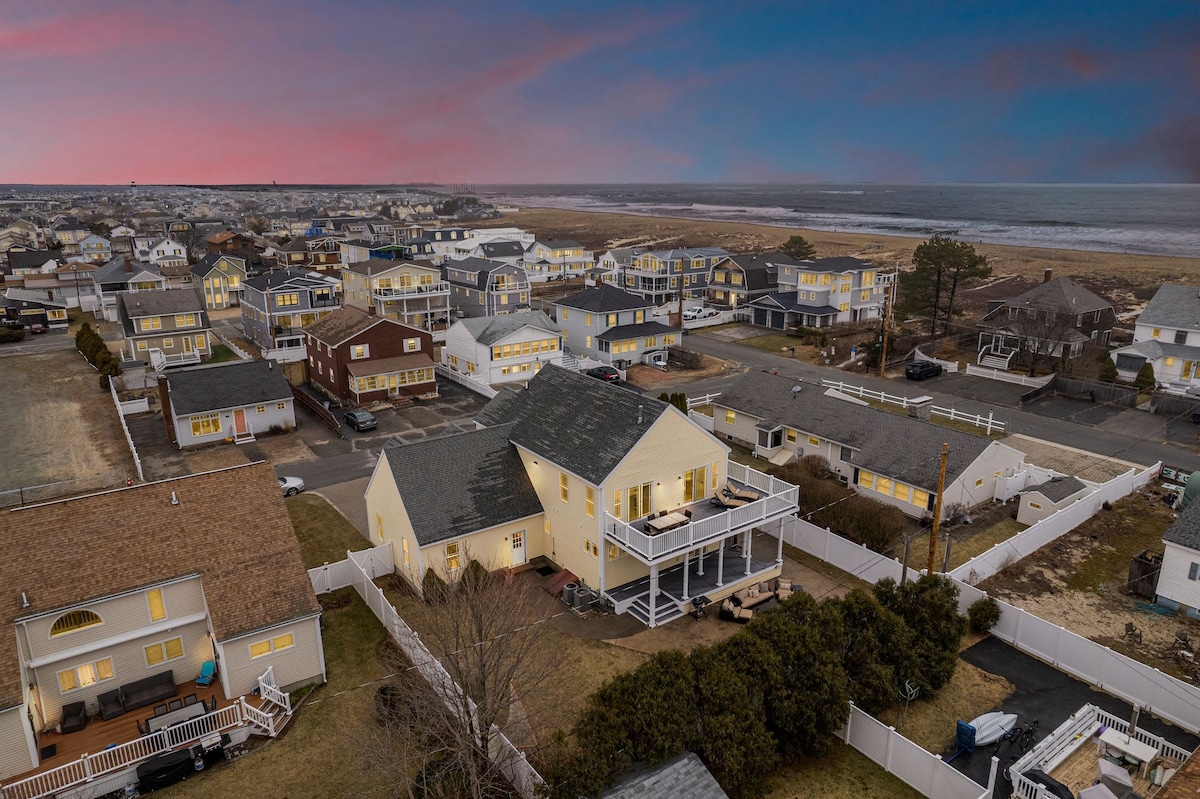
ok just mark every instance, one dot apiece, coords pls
pixel 1060 295
pixel 290 276
pixel 227 385
pixel 157 303
pixel 842 263
pixel 490 329
pixel 579 423
pixel 886 443
pixel 604 299
pixel 1173 306
pixel 209 263
pixel 636 331
pixel 502 249
pixel 114 271
pixel 788 302
pixel 1185 531
pixel 1154 349
pixel 1058 488
pixel 460 483
pixel 682 777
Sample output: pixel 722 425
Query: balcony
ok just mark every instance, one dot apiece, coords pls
pixel 709 523
pixel 397 292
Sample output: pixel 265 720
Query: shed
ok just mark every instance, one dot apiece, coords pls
pixel 1043 500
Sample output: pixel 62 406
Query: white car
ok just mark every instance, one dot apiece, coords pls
pixel 697 312
pixel 291 486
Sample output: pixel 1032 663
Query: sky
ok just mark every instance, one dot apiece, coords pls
pixel 524 91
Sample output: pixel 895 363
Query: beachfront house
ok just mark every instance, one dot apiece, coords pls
pixel 737 280
pixel 503 349
pixel 824 292
pixel 612 326
pixel 555 260
pixel 614 487
pixel 660 275
pixel 782 420
pixel 278 306
pixel 479 287
pixel 411 292
pixel 1167 336
pixel 1055 319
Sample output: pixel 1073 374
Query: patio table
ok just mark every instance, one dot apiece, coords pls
pixel 185 713
pixel 660 524
pixel 1142 752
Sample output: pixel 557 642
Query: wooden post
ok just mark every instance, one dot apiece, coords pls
pixel 937 507
pixel 887 315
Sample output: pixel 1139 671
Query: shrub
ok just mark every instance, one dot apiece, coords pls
pixel 983 614
pixel 10 334
pixel 433 587
pixel 1145 377
pixel 1108 371
pixel 815 466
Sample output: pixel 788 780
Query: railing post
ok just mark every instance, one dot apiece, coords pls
pixel 87 766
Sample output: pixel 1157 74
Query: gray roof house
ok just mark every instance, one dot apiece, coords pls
pixel 1046 499
pixel 1058 317
pixel 1179 576
pixel 783 418
pixel 611 325
pixel 503 349
pixel 479 287
pixel 233 401
pixel 682 776
pixel 1166 335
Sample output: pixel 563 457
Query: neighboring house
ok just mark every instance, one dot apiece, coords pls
pixel 121 231
pixel 411 292
pixel 1167 336
pixel 553 260
pixel 69 234
pixel 293 254
pixel 611 325
pixel 357 357
pixel 509 252
pixel 168 328
pixel 232 401
pixel 122 275
pixel 683 775
pixel 486 288
pixel 1046 499
pixel 618 259
pixel 1179 577
pixel 355 250
pixel 890 458
pixel 67 285
pixel 34 308
pixel 824 292
pixel 325 253
pixel 737 280
pixel 447 242
pixel 218 280
pixel 571 470
pixel 25 261
pixel 95 250
pixel 503 349
pixel 279 305
pixel 156 578
pixel 1057 318
pixel 228 242
pixel 659 276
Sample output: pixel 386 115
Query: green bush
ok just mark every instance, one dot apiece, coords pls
pixel 11 334
pixel 433 587
pixel 1145 377
pixel 983 614
pixel 1108 371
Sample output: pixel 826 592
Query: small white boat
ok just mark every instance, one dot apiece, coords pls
pixel 990 726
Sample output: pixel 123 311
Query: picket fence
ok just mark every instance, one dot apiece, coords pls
pixel 1007 377
pixel 359 570
pixel 478 386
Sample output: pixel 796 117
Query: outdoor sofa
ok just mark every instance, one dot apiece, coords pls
pixel 138 693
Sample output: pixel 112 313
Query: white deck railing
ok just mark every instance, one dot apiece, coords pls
pixel 268 690
pixel 440 287
pixel 987 422
pixel 127 755
pixel 780 499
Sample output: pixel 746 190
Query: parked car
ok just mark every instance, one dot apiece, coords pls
pixel 291 486
pixel 920 370
pixel 361 420
pixel 36 328
pixel 606 373
pixel 698 312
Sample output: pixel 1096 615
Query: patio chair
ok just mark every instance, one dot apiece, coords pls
pixel 741 493
pixel 160 710
pixel 207 672
pixel 1132 631
pixel 141 730
pixel 723 500
pixel 688 514
pixel 190 699
pixel 174 704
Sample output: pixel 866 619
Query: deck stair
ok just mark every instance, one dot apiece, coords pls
pixel 665 610
pixel 995 360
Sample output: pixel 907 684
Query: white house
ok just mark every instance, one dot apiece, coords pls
pixel 1179 578
pixel 503 349
pixel 1167 335
pixel 227 401
pixel 612 326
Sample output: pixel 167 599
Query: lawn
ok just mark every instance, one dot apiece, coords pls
pixel 324 534
pixel 771 342
pixel 842 773
pixel 326 748
pixel 967 541
pixel 221 353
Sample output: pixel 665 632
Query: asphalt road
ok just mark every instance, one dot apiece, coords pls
pixel 1126 434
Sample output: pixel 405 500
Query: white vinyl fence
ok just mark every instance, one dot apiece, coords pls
pixel 359 570
pixel 949 366
pixel 895 754
pixel 137 462
pixel 1007 377
pixel 478 386
pixel 988 422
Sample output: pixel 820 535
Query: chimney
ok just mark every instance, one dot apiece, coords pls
pixel 1048 276
pixel 128 264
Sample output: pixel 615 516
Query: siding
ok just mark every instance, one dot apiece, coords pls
pixel 492 547
pixel 298 665
pixel 14 748
pixel 256 423
pixel 1173 582
pixel 384 504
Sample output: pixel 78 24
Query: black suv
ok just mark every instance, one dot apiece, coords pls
pixel 606 373
pixel 919 370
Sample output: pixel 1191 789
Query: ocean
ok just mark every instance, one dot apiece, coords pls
pixel 1160 219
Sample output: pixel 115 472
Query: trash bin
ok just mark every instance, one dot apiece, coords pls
pixel 568 594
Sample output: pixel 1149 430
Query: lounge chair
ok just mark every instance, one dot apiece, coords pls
pixel 723 500
pixel 741 493
pixel 207 672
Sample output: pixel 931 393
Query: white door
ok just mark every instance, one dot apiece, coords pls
pixel 518 548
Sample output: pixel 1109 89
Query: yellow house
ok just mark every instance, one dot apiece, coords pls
pixel 619 489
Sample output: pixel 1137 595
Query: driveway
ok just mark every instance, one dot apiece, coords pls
pixel 1048 695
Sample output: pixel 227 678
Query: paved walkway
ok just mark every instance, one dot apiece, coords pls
pixel 349 500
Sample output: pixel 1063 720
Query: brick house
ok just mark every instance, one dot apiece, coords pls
pixel 357 357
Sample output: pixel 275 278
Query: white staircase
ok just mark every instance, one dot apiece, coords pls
pixel 570 362
pixel 994 360
pixel 665 610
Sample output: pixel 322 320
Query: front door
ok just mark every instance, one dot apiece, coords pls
pixel 518 548
pixel 187 343
pixel 239 422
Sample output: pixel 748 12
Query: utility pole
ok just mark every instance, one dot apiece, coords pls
pixel 887 318
pixel 937 507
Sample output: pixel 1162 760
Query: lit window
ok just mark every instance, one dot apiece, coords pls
pixel 592 549
pixel 163 651
pixel 404 548
pixel 730 417
pixel 866 479
pixel 791 436
pixel 84 675
pixel 260 409
pixel 360 351
pixel 154 599
pixel 1034 505
pixel 979 482
pixel 452 559
pixel 920 498
pixel 206 424
pixel 74 620
pixel 279 642
pixel 563 492
pixel 883 485
pixel 589 501
pixel 813 441
pixel 281 406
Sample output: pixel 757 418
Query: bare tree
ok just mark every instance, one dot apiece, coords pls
pixel 489 645
pixel 1039 333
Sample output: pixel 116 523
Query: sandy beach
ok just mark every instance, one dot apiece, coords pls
pixel 1127 280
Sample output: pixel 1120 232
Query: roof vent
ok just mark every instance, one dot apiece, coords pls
pixel 640 406
pixel 174 499
pixel 25 600
pixel 796 390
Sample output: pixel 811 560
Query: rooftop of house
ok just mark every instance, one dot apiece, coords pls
pixel 684 775
pixel 1185 531
pixel 1173 306
pixel 115 271
pixel 502 249
pixel 759 261
pixel 578 423
pixel 158 303
pixel 235 384
pixel 1056 489
pixel 563 244
pixel 347 322
pixel 129 539
pixel 872 434
pixel 290 277
pixel 460 483
pixel 640 330
pixel 1060 295
pixel 786 300
pixel 31 259
pixel 491 329
pixel 1153 349
pixel 366 367
pixel 841 263
pixel 688 253
pixel 210 261
pixel 605 298
pixel 378 266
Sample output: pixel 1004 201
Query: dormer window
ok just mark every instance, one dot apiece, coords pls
pixel 73 621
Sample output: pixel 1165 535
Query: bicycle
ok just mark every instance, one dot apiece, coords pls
pixel 1025 739
pixel 1007 737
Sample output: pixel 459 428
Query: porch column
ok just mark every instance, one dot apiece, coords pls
pixel 685 574
pixel 653 590
pixel 746 554
pixel 721 564
pixel 779 543
pixel 700 561
pixel 603 557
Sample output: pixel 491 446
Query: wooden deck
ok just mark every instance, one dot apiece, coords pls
pixel 1079 771
pixel 98 734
